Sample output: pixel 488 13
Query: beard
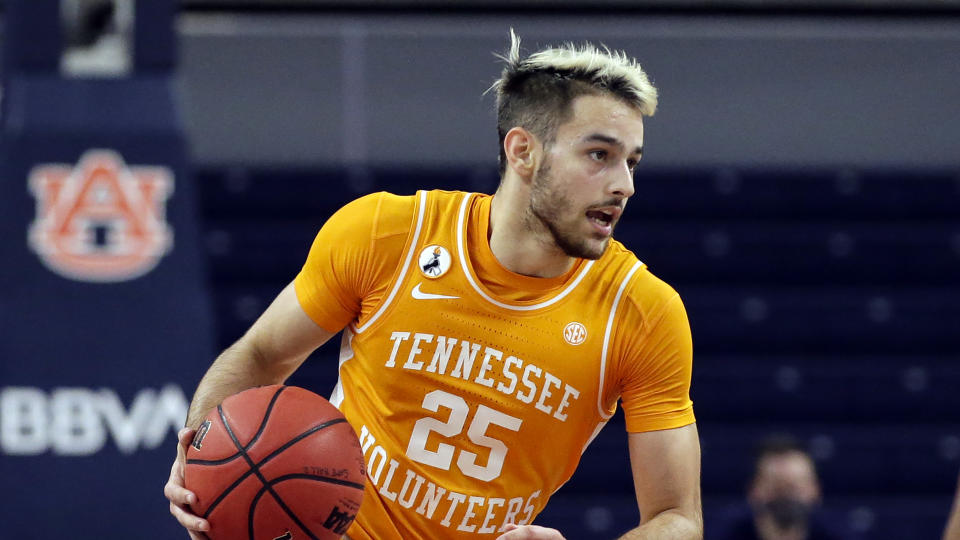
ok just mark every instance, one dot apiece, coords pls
pixel 553 210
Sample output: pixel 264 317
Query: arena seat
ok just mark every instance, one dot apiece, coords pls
pixel 866 515
pixel 259 251
pixel 798 388
pixel 798 252
pixel 765 193
pixel 880 459
pixel 824 320
pixel 863 515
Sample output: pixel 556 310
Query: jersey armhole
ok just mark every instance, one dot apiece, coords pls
pixel 399 276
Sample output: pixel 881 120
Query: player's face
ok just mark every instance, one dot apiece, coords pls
pixel 586 176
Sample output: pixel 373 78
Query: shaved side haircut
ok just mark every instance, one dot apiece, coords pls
pixel 536 92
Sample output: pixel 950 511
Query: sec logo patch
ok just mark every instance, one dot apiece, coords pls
pixel 575 333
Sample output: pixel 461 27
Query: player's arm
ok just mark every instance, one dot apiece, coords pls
pixel 356 249
pixel 277 343
pixel 663 442
pixel 952 531
pixel 271 350
pixel 666 478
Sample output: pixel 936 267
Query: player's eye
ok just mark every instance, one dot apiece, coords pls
pixel 598 155
pixel 631 164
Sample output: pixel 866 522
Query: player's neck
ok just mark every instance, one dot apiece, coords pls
pixel 521 246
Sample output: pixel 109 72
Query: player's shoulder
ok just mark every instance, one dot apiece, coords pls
pixel 643 289
pixel 443 198
pixel 440 205
pixel 446 194
pixel 384 202
pixel 390 214
pixel 381 203
pixel 382 213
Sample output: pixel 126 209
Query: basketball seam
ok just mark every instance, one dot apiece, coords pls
pixel 295 476
pixel 269 457
pixel 256 471
pixel 327 479
pixel 263 425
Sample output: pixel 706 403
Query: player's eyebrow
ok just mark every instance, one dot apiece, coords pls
pixel 600 137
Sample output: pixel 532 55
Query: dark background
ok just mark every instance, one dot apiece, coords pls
pixel 800 188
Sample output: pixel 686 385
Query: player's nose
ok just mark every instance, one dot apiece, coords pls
pixel 621 184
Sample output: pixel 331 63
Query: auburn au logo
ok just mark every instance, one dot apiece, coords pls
pixel 101 220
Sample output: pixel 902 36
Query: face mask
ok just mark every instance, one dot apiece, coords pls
pixel 787 513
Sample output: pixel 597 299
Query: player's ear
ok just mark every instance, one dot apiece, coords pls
pixel 522 150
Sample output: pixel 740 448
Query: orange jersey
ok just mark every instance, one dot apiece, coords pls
pixel 474 390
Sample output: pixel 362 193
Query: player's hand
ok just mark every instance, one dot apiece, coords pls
pixel 529 532
pixel 179 496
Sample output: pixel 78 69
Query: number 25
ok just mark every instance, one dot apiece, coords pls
pixel 443 455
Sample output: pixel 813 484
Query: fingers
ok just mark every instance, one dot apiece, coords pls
pixel 192 523
pixel 185 437
pixel 529 532
pixel 180 497
pixel 174 490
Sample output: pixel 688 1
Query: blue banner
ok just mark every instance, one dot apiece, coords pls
pixel 104 314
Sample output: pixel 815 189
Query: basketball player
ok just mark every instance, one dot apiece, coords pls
pixel 487 339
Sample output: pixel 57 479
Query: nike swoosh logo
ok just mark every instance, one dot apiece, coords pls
pixel 417 294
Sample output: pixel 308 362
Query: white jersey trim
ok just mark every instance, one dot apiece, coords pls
pixel 606 338
pixel 596 432
pixel 462 248
pixel 346 353
pixel 594 436
pixel 406 264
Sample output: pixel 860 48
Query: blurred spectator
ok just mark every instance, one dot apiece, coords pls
pixel 783 498
pixel 953 522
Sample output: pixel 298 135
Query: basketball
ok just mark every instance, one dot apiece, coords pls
pixel 275 462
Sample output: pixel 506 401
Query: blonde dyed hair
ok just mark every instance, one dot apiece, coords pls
pixel 537 92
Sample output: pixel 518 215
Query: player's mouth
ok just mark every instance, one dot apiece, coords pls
pixel 603 218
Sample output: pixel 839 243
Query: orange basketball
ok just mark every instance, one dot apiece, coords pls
pixel 276 462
